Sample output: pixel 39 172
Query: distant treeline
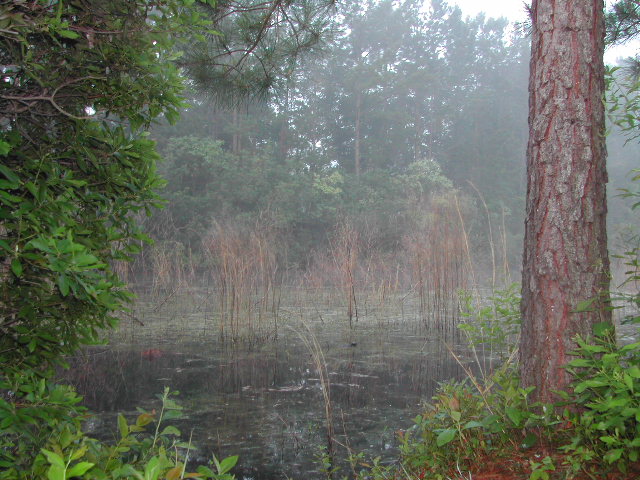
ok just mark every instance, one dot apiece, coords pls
pixel 404 109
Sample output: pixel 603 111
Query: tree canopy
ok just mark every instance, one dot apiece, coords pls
pixel 82 83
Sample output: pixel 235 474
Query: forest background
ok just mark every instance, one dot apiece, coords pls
pixel 400 126
pixel 389 155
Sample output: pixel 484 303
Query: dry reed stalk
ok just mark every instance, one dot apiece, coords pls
pixel 381 276
pixel 490 233
pixel 437 250
pixel 345 248
pixel 505 252
pixel 245 272
pixel 466 246
pixel 122 269
pixel 172 269
pixel 317 355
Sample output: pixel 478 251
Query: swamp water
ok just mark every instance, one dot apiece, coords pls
pixel 262 398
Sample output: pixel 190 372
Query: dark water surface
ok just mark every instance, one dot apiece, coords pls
pixel 262 399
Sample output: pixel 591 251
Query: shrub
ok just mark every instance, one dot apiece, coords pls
pixel 42 438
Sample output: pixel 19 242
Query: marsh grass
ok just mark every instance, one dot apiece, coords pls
pixel 438 261
pixel 244 269
pixel 345 249
pixel 312 345
pixel 243 285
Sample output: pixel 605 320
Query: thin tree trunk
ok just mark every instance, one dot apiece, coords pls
pixel 417 139
pixel 284 128
pixel 235 139
pixel 282 140
pixel 357 133
pixel 565 249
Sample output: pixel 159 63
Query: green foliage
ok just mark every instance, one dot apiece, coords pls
pixel 82 82
pixel 623 21
pixel 540 470
pixel 495 325
pixel 76 162
pixel 478 418
pixel 466 424
pixel 32 412
pixel 437 73
pixel 206 183
pixel 624 101
pixel 606 395
pixel 252 50
pixel 42 438
pixel 597 419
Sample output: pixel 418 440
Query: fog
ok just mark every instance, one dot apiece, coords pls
pixel 404 131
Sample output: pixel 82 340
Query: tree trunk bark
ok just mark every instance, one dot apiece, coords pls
pixel 565 246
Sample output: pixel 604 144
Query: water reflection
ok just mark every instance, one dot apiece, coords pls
pixel 264 401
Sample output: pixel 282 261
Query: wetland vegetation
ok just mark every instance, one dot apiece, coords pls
pixel 306 218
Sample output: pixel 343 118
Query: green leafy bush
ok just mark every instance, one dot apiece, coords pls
pixel 606 399
pixel 41 438
pixel 76 163
pixel 494 327
pixel 465 424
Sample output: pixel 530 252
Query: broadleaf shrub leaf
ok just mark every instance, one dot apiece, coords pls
pixel 445 437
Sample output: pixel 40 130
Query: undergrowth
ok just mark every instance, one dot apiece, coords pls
pixel 487 424
pixel 41 437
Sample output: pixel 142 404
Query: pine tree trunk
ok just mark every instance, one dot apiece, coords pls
pixel 565 247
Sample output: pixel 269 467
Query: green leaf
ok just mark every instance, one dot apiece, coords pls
pixel 56 473
pixel 5 147
pixel 170 430
pixel 152 469
pixel 68 34
pixel 79 453
pixel 530 440
pixel 585 305
pixel 7 172
pixel 16 267
pixel 472 424
pixel 609 440
pixel 144 419
pixel 602 329
pixel 63 285
pixel 205 471
pixel 39 244
pixel 445 436
pixel 54 458
pixel 613 455
pixel 79 469
pixel 5 246
pixel 633 371
pixel 456 415
pixel 123 426
pixel 580 362
pixel 491 420
pixel 227 464
pixel 515 415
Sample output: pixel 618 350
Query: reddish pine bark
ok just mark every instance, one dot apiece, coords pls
pixel 565 249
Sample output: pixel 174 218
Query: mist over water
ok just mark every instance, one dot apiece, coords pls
pixel 384 176
pixel 262 398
